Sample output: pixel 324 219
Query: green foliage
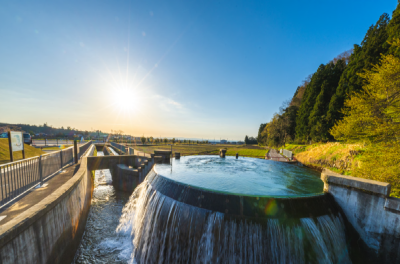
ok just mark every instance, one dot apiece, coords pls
pixel 373 115
pixel 363 58
pixel 320 99
pixel 260 139
pixel 312 120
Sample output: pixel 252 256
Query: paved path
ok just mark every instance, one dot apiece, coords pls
pixel 36 195
pixel 274 155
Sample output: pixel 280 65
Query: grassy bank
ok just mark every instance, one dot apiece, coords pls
pixel 5 153
pixel 341 158
pixel 358 160
pixel 185 150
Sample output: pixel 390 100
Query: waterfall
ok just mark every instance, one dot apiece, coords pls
pixel 164 230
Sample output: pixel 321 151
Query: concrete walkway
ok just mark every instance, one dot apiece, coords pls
pixel 275 156
pixel 36 195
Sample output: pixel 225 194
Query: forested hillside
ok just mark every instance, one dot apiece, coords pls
pixel 317 104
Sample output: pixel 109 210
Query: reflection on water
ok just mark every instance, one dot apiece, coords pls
pixel 246 176
pixel 100 242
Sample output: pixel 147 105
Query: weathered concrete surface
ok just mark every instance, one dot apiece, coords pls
pixel 50 231
pixel 374 215
pixel 124 179
pixel 165 154
pixel 380 188
pixel 107 151
pixel 222 153
pixel 127 178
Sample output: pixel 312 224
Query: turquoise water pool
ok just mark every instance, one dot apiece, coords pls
pixel 243 176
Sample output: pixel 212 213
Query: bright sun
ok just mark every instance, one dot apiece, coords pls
pixel 125 100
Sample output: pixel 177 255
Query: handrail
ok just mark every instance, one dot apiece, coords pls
pixel 20 176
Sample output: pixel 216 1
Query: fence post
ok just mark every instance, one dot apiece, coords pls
pixel 10 147
pixel 45 141
pixel 40 170
pixel 76 151
pixel 61 159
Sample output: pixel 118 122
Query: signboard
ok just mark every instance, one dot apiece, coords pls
pixel 17 141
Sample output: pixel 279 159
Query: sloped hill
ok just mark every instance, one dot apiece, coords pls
pixel 5 153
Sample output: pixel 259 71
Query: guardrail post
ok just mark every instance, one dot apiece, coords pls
pixel 61 159
pixel 40 170
pixel 76 151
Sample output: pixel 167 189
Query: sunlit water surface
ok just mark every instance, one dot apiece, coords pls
pixel 246 176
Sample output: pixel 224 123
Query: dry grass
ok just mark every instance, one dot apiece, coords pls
pixel 185 150
pixel 5 153
pixel 339 157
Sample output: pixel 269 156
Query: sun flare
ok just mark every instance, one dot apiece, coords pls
pixel 125 100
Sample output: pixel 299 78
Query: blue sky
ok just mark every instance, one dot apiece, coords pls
pixel 196 69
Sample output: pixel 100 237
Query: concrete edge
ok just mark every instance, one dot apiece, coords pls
pixel 393 204
pixel 12 228
pixel 125 167
pixel 376 187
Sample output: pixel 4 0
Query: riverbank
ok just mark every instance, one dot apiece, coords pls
pixel 358 160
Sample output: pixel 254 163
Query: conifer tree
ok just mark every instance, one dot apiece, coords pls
pixel 363 58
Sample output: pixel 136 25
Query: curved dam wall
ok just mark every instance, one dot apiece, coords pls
pixel 178 223
pixel 50 231
pixel 373 214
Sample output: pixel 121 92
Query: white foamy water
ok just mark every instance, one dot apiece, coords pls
pixel 166 231
pixel 101 242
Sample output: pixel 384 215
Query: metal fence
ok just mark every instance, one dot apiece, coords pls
pixel 52 142
pixel 20 176
pixel 83 148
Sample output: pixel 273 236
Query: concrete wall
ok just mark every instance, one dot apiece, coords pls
pixel 50 231
pixel 370 210
pixel 107 152
pixel 126 178
pixel 127 171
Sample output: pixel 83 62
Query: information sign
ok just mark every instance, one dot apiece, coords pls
pixel 17 142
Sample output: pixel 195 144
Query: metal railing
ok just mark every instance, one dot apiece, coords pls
pixel 52 142
pixel 20 176
pixel 83 148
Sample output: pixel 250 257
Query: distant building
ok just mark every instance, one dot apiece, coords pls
pixel 223 141
pixel 240 142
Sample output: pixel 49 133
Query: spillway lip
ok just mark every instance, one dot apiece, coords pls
pixel 243 205
pixel 193 186
pixel 243 176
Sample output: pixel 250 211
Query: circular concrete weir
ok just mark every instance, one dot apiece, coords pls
pixel 207 209
pixel 245 187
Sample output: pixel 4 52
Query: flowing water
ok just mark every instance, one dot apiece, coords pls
pixel 167 231
pixel 100 242
pixel 150 227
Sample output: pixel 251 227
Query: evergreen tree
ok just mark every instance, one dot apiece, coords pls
pixel 246 140
pixel 311 93
pixel 318 124
pixel 260 138
pixel 393 30
pixel 363 57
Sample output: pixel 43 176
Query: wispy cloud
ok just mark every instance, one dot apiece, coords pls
pixel 168 104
